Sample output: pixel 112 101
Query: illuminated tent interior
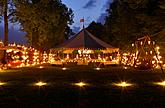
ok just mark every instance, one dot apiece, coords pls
pixel 85 46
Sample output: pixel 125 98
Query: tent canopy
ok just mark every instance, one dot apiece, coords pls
pixel 85 40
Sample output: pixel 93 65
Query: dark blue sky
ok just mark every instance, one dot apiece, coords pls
pixel 91 10
pixel 15 35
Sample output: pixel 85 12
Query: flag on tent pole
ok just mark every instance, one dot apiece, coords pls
pixel 82 20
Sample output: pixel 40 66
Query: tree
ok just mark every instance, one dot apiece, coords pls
pixel 7 12
pixel 97 29
pixel 45 21
pixel 130 19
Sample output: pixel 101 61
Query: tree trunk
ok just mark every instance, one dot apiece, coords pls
pixel 5 24
pixel 5 31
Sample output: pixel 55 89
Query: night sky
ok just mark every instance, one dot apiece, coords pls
pixel 91 10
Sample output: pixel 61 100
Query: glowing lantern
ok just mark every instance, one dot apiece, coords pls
pixel 80 84
pixel 132 45
pixel 97 68
pixel 158 48
pixel 160 83
pixel 40 67
pixel 150 52
pixel 123 84
pixel 64 68
pixel 2 83
pixel 40 83
pixel 125 67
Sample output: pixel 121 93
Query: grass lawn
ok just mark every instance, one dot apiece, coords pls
pixel 19 90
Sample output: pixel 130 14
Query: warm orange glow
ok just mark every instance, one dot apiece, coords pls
pixel 133 44
pixel 80 84
pixel 164 66
pixel 157 47
pixel 2 83
pixel 64 68
pixel 123 84
pixel 40 67
pixel 160 83
pixel 125 67
pixel 40 83
pixel 97 68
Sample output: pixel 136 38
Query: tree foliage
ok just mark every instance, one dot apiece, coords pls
pixel 97 29
pixel 45 21
pixel 10 9
pixel 130 19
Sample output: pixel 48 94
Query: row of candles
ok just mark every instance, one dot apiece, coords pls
pixel 87 58
pixel 27 56
pixel 31 56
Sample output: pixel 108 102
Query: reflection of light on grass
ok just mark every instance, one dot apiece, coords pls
pixel 40 67
pixel 123 84
pixel 81 84
pixel 40 83
pixel 125 67
pixel 97 68
pixel 64 68
pixel 160 83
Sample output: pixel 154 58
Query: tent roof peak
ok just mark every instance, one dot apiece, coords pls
pixel 84 39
